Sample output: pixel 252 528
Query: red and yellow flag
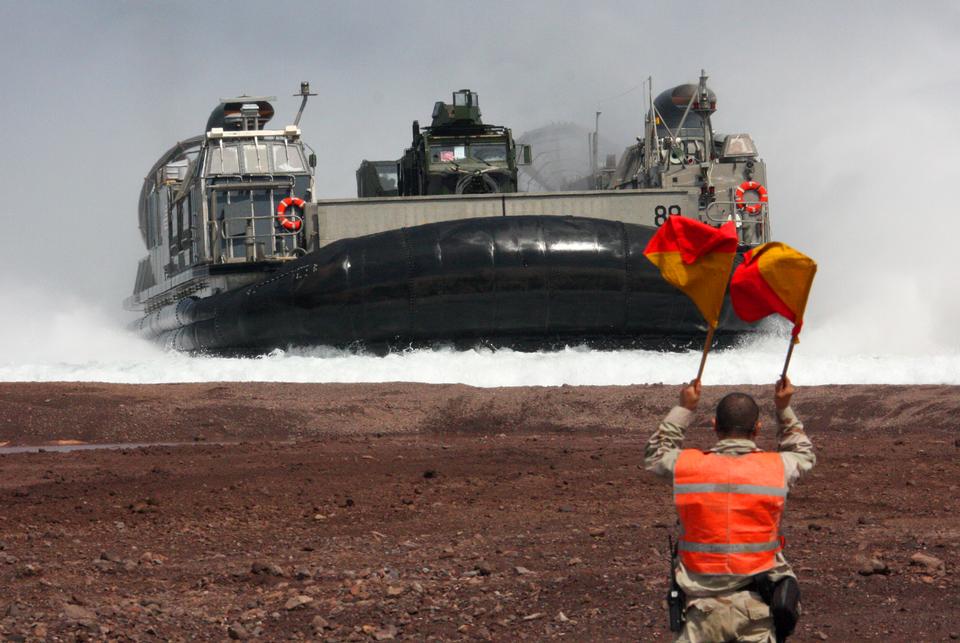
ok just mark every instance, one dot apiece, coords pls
pixel 697 259
pixel 773 278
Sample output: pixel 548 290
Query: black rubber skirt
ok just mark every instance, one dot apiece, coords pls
pixel 526 281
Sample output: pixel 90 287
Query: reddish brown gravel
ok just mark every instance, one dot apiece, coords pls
pixel 405 511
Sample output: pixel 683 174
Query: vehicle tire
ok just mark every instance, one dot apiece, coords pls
pixel 477 184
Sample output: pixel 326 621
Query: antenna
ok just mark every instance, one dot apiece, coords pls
pixel 705 107
pixel 595 151
pixel 652 139
pixel 304 93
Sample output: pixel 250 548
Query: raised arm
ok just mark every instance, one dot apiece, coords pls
pixel 795 447
pixel 663 447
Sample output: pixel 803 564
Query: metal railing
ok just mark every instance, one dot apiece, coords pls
pixel 751 228
pixel 256 244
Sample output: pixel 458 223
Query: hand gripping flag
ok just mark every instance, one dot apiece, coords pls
pixel 697 259
pixel 773 278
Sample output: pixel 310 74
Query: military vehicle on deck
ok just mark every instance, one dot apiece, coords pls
pixel 457 154
pixel 377 178
pixel 243 257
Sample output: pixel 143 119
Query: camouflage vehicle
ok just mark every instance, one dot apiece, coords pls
pixel 377 178
pixel 457 154
pixel 243 257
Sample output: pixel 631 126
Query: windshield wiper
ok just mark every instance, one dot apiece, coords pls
pixel 473 158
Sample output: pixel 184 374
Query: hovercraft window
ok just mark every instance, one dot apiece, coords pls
pixel 255 159
pixel 224 160
pixel 693 148
pixel 738 145
pixel 286 158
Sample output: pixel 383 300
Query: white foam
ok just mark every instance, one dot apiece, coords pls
pixel 121 358
pixel 52 337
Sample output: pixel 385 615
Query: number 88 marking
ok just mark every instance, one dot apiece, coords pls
pixel 660 213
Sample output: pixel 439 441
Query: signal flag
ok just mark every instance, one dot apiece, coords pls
pixel 697 259
pixel 773 278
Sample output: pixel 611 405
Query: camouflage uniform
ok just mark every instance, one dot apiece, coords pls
pixel 718 609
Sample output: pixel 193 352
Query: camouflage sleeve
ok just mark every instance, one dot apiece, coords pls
pixel 664 445
pixel 796 449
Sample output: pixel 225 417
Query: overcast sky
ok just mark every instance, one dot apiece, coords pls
pixel 852 105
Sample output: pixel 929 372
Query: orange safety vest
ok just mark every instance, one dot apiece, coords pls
pixel 729 508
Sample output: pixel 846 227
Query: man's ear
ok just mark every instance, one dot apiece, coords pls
pixel 757 427
pixel 713 422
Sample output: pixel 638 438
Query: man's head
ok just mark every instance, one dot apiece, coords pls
pixel 738 416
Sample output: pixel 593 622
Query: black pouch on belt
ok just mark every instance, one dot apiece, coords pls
pixel 783 597
pixel 785 606
pixel 676 598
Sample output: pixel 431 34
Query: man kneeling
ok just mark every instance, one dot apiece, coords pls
pixel 730 567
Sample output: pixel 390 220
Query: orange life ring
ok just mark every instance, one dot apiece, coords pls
pixel 750 208
pixel 290 224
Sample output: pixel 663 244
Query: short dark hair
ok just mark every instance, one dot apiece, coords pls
pixel 737 414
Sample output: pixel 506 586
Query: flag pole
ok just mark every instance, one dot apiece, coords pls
pixel 706 349
pixel 786 363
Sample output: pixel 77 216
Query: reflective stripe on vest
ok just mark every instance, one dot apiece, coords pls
pixel 729 508
pixel 714 548
pixel 754 489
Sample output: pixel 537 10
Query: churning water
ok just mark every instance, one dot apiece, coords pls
pixel 71 341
